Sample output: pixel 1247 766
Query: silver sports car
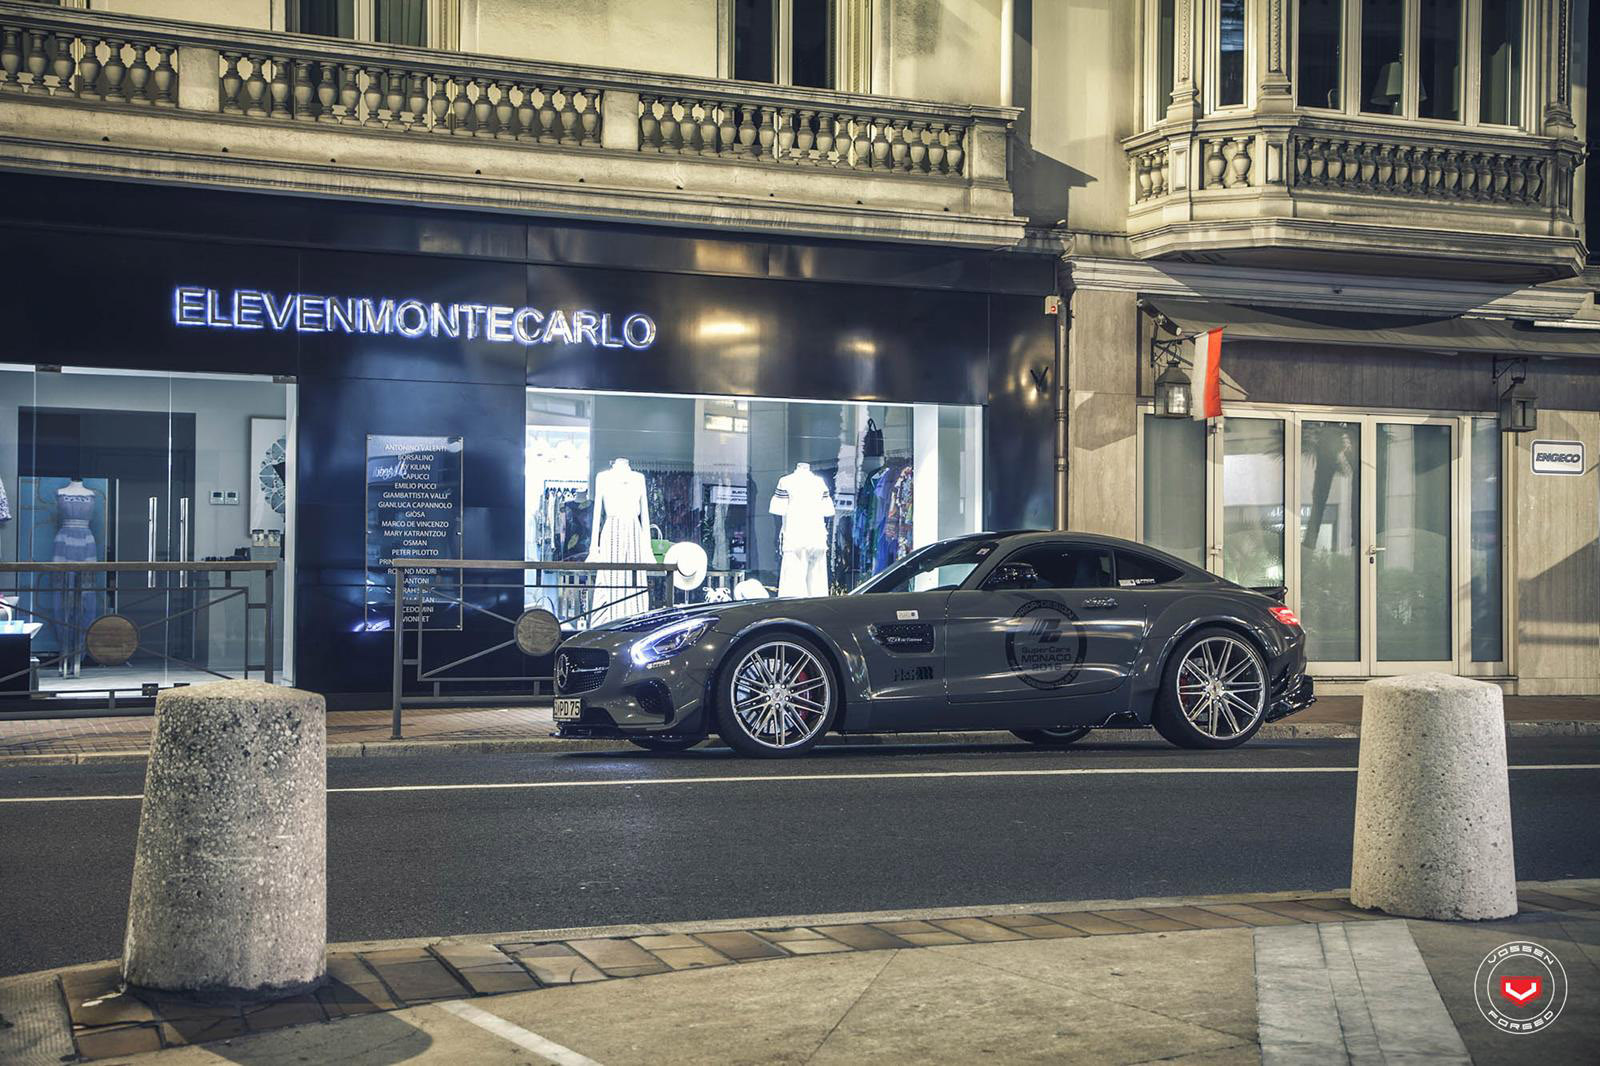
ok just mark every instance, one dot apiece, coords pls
pixel 1048 635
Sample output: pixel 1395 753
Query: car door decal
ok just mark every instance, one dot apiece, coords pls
pixel 1046 644
pixel 911 638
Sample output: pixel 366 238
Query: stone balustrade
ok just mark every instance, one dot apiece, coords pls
pixel 87 65
pixel 1443 173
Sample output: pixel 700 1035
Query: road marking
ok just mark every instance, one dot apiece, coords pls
pixel 516 1034
pixel 914 775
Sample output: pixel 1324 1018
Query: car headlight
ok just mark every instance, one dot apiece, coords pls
pixel 668 641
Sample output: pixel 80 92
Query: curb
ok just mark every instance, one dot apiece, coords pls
pixel 549 744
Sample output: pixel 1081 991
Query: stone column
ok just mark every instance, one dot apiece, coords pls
pixel 1557 118
pixel 1433 803
pixel 1275 93
pixel 230 875
pixel 1185 103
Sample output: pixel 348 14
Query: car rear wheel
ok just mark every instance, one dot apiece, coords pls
pixel 777 695
pixel 1051 738
pixel 1213 691
pixel 665 743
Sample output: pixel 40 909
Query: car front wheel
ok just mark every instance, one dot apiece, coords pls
pixel 1213 691
pixel 777 695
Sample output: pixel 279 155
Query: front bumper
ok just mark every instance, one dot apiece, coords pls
pixel 1296 695
pixel 665 699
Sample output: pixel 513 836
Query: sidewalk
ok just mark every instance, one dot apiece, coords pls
pixel 518 729
pixel 1208 981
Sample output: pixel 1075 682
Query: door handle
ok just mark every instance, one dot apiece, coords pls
pixel 1100 601
pixel 150 541
pixel 183 539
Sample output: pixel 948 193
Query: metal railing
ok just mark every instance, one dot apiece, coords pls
pixel 631 588
pixel 63 596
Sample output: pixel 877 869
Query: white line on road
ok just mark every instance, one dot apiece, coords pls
pixel 516 1034
pixel 915 775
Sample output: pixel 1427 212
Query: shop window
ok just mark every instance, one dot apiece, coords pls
pixel 784 497
pixel 1321 58
pixel 387 21
pixel 1252 501
pixel 1174 501
pixel 1500 61
pixel 786 42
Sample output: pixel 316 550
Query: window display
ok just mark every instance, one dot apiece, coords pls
pixel 785 497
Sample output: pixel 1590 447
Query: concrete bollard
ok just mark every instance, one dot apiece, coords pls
pixel 1433 802
pixel 230 876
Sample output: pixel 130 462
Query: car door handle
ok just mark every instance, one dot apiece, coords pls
pixel 1100 601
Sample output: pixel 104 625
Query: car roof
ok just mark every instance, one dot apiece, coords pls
pixel 1015 538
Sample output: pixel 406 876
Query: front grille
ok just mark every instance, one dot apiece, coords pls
pixel 581 670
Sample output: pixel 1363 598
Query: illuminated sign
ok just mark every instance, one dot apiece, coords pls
pixel 303 312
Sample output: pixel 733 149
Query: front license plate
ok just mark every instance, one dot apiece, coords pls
pixel 568 709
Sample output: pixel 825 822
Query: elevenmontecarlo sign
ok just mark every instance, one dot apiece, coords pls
pixel 1558 457
pixel 303 312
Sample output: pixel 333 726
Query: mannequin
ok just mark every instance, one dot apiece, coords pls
pixel 621 527
pixel 803 501
pixel 75 543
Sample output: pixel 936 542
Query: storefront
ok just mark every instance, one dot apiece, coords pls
pixel 230 376
pixel 1361 464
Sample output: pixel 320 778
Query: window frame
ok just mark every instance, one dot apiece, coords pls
pixel 783 44
pixel 1209 31
pixel 1155 107
pixel 1411 46
pixel 365 22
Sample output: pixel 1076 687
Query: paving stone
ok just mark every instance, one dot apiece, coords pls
pixel 539 949
pixel 1290 909
pixel 352 988
pixel 1020 921
pixel 108 1008
pixel 977 930
pixel 568 969
pixel 694 958
pixel 1345 909
pixel 862 937
pixel 657 941
pixel 1092 924
pixel 296 1010
pixel 126 1040
pixel 784 936
pixel 201 1029
pixel 414 975
pixel 1589 898
pixel 486 969
pixel 820 946
pixel 934 939
pixel 619 957
pixel 1050 931
pixel 1248 914
pixel 1196 917
pixel 1145 921
pixel 741 946
pixel 1550 901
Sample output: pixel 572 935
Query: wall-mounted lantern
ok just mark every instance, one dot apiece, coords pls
pixel 1519 407
pixel 1174 398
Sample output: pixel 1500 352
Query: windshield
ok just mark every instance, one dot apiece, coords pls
pixel 938 567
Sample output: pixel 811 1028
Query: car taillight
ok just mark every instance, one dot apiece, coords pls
pixel 1286 616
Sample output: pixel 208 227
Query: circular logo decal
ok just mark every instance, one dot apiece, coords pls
pixel 563 672
pixel 111 640
pixel 1045 645
pixel 1521 987
pixel 538 632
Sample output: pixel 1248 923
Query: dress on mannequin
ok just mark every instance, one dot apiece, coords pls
pixel 75 543
pixel 622 535
pixel 803 501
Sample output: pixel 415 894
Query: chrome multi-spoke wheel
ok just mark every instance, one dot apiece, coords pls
pixel 778 697
pixel 1215 692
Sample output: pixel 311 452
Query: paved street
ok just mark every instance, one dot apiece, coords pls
pixel 461 844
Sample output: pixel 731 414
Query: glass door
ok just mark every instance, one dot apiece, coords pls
pixel 1329 594
pixel 1410 546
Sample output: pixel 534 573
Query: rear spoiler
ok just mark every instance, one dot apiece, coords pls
pixel 1277 592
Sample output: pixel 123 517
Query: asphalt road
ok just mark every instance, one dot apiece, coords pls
pixel 418 846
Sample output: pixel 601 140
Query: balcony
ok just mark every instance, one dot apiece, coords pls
pixel 1356 196
pixel 101 95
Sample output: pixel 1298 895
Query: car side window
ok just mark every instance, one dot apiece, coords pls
pixel 1066 566
pixel 1134 570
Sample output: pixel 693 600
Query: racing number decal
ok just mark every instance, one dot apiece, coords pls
pixel 1045 645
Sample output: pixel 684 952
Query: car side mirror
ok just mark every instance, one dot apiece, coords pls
pixel 1013 576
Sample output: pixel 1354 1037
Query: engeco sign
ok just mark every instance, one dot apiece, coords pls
pixel 1558 457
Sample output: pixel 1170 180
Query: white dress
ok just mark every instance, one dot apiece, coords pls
pixel 621 535
pixel 803 500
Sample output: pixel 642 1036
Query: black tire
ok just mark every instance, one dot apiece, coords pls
pixel 1205 716
pixel 665 743
pixel 744 708
pixel 1051 738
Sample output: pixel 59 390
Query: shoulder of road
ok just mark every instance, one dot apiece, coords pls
pixel 511 730
pixel 1158 978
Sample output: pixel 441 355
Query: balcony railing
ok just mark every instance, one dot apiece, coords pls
pixel 120 61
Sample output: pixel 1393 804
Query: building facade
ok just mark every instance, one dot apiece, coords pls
pixel 936 251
